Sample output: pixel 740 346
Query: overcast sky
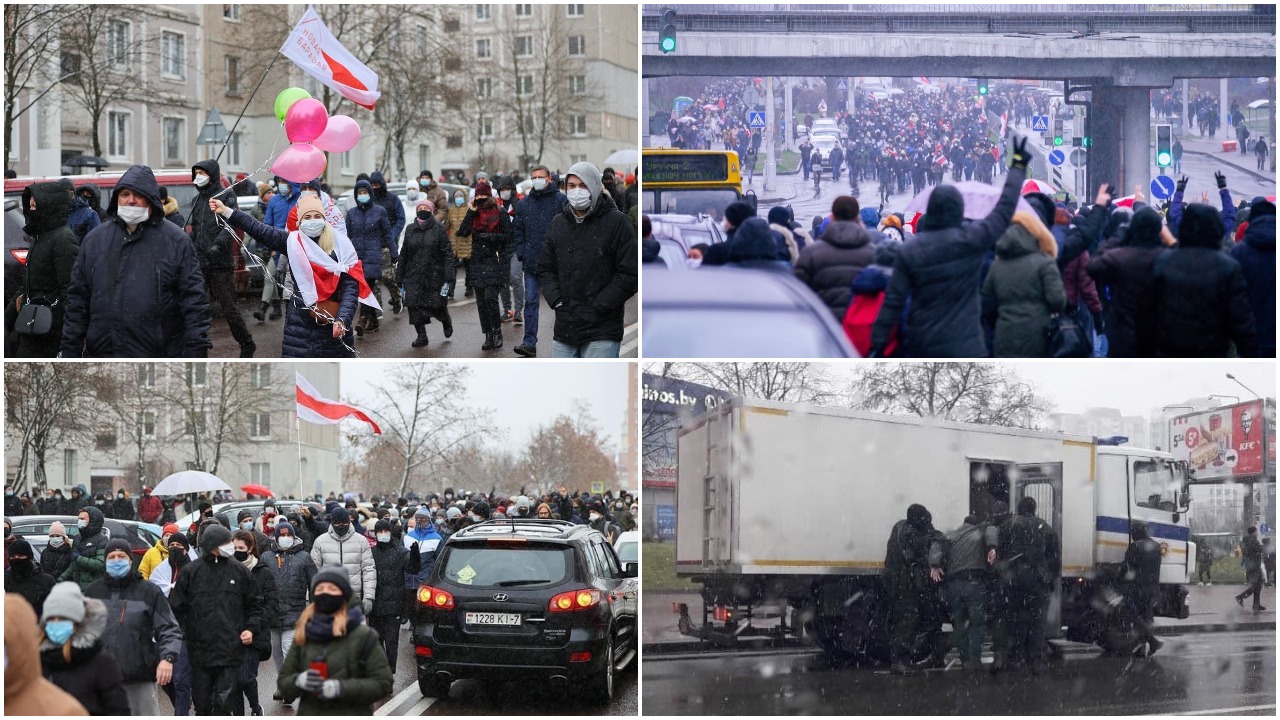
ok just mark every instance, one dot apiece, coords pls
pixel 523 394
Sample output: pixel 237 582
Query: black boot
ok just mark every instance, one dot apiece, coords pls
pixel 248 348
pixel 395 304
pixel 488 341
pixel 261 313
pixel 448 327
pixel 470 292
pixel 421 340
pixel 275 310
pixel 497 340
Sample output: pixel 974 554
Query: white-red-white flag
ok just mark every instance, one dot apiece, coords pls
pixel 314 49
pixel 314 408
pixel 1004 122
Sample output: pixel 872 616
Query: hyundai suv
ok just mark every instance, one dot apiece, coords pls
pixel 545 599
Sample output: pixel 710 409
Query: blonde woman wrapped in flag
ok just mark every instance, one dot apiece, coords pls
pixel 328 279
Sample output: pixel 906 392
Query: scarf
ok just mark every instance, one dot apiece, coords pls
pixel 317 273
pixel 251 563
pixel 487 218
pixel 320 626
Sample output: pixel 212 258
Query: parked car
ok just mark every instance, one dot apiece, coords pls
pixel 35 530
pixel 737 312
pixel 543 599
pixel 823 144
pixel 677 233
pixel 230 510
pixel 628 547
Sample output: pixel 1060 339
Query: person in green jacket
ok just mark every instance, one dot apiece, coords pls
pixel 89 553
pixel 332 636
pixel 1024 288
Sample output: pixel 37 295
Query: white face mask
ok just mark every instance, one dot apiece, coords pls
pixel 539 183
pixel 312 228
pixel 505 194
pixel 594 516
pixel 133 215
pixel 201 180
pixel 384 537
pixel 412 195
pixel 55 541
pixel 286 541
pixel 228 550
pixel 579 198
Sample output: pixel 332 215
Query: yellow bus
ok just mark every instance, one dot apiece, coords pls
pixel 690 182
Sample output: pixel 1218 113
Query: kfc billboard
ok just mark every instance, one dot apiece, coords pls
pixel 1224 443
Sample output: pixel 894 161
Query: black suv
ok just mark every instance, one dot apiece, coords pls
pixel 527 598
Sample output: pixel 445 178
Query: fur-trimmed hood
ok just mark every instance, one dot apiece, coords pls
pixel 1026 234
pixel 88 633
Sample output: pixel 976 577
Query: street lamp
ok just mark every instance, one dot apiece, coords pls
pixel 1233 379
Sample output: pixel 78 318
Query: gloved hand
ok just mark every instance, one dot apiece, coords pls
pixel 1222 180
pixel 1099 326
pixel 1021 155
pixel 414 548
pixel 444 291
pixel 310 681
pixel 367 606
pixel 331 689
pixel 1182 183
pixel 520 258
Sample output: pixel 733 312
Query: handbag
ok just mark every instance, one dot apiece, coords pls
pixel 327 312
pixel 34 318
pixel 1067 338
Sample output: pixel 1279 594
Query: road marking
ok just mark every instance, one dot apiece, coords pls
pixel 1226 711
pixel 631 344
pixel 468 301
pixel 401 697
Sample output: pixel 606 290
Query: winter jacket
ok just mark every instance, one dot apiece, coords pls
pixel 428 542
pixel 1201 303
pixel 752 245
pixel 122 508
pixel 55 561
pixel 532 219
pixel 964 549
pixel 1125 272
pixel 211 238
pixel 353 553
pixel 1080 288
pixel 487 268
pixel 1177 207
pixel 95 203
pixel 829 265
pixel 461 245
pixel 1023 288
pixel 440 200
pixel 906 559
pixel 355 659
pixel 426 264
pixel 155 556
pixel 1251 554
pixel 26 692
pixel 303 336
pixel 142 630
pixel 390 202
pixel 390 561
pixel 172 212
pixel 939 270
pixel 33 586
pixel 264 582
pixel 1083 234
pixel 82 218
pixel 369 229
pixel 50 259
pixel 1257 257
pixel 91 548
pixel 215 599
pixel 587 271
pixel 150 301
pixel 92 675
pixel 293 571
pixel 277 213
pixel 150 508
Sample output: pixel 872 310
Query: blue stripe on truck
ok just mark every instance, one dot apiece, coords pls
pixel 1159 531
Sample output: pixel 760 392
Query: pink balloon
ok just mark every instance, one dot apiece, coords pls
pixel 300 162
pixel 305 120
pixel 340 135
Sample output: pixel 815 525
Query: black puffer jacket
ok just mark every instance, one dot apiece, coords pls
pixel 488 250
pixel 426 264
pixel 369 229
pixel 588 270
pixel 215 599
pixel 143 629
pixel 390 560
pixel 212 239
pixel 390 202
pixel 293 571
pixel 1125 271
pixel 265 582
pixel 940 270
pixel 149 301
pixel 829 265
pixel 1201 299
pixel 55 561
pixel 53 252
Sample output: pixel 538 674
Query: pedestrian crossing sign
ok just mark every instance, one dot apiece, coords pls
pixel 755 119
pixel 1039 123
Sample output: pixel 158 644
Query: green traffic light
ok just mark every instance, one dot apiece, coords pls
pixel 1164 159
pixel 668 44
pixel 1057 140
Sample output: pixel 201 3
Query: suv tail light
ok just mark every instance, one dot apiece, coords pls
pixel 435 598
pixel 574 600
pixel 20 254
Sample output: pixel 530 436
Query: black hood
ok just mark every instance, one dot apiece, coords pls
pixel 753 240
pixel 95 521
pixel 504 182
pixel 1043 205
pixel 212 537
pixel 945 209
pixel 376 177
pixel 367 187
pixel 53 207
pixel 1201 226
pixel 215 176
pixel 1144 228
pixel 96 192
pixel 919 517
pixel 141 180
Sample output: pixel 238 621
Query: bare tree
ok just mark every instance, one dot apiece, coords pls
pixel 410 90
pixel 218 404
pixel 47 406
pixel 798 382
pixel 123 394
pixel 983 393
pixel 567 452
pixel 30 40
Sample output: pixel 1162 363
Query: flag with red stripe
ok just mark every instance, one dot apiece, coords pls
pixel 314 49
pixel 314 408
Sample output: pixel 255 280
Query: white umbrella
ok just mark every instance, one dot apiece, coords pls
pixel 189 481
pixel 628 157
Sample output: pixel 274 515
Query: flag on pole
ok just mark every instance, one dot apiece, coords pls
pixel 314 49
pixel 314 408
pixel 1004 122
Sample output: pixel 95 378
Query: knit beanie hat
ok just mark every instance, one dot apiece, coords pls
pixel 308 204
pixel 180 539
pixel 285 525
pixel 589 174
pixel 483 189
pixel 57 528
pixel 20 547
pixel 425 203
pixel 339 515
pixel 870 217
pixel 168 529
pixel 893 221
pixel 115 544
pixel 65 601
pixel 778 215
pixel 335 574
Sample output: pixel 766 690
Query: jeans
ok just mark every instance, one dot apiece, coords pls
pixel 222 287
pixel 214 690
pixel 271 274
pixel 142 698
pixel 967 596
pixel 514 288
pixel 281 641
pixel 532 301
pixel 593 349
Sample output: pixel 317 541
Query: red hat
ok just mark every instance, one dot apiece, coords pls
pixel 483 189
pixel 169 529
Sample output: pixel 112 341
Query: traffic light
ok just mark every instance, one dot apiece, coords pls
pixel 1164 146
pixel 1057 141
pixel 1057 132
pixel 667 31
pixel 983 89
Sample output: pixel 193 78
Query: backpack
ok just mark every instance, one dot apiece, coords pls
pixel 859 319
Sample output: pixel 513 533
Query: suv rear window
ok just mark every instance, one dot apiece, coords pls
pixel 489 566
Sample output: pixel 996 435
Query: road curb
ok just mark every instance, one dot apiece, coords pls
pixel 1215 627
pixel 1251 173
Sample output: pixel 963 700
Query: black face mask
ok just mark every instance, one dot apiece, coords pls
pixel 423 214
pixel 328 604
pixel 341 529
pixel 7 532
pixel 242 555
pixel 24 566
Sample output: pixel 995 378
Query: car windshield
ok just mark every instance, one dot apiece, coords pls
pixel 691 202
pixel 629 552
pixel 488 566
pixel 716 332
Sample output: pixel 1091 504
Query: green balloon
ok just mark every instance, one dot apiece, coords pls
pixel 287 98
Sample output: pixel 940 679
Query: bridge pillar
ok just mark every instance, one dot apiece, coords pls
pixel 770 131
pixel 789 114
pixel 1136 147
pixel 1121 135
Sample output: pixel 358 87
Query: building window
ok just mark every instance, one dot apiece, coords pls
pixel 453 142
pixel 482 13
pixel 576 10
pixel 524 85
pixel 231 11
pixel 233 150
pixel 118 33
pixel 424 156
pixel 69 467
pixel 453 63
pixel 175 140
pixel 104 441
pixel 486 127
pixel 173 55
pixel 483 49
pixel 524 9
pixel 260 473
pixel 196 423
pixel 524 46
pixel 259 375
pixel 345 162
pixel 147 375
pixel 530 125
pixel 117 134
pixel 421 39
pixel 577 84
pixel 197 374
pixel 577 45
pixel 577 159
pixel 261 426
pixel 578 125
pixel 70 66
pixel 146 424
pixel 233 76
pixel 484 87
pixel 452 25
